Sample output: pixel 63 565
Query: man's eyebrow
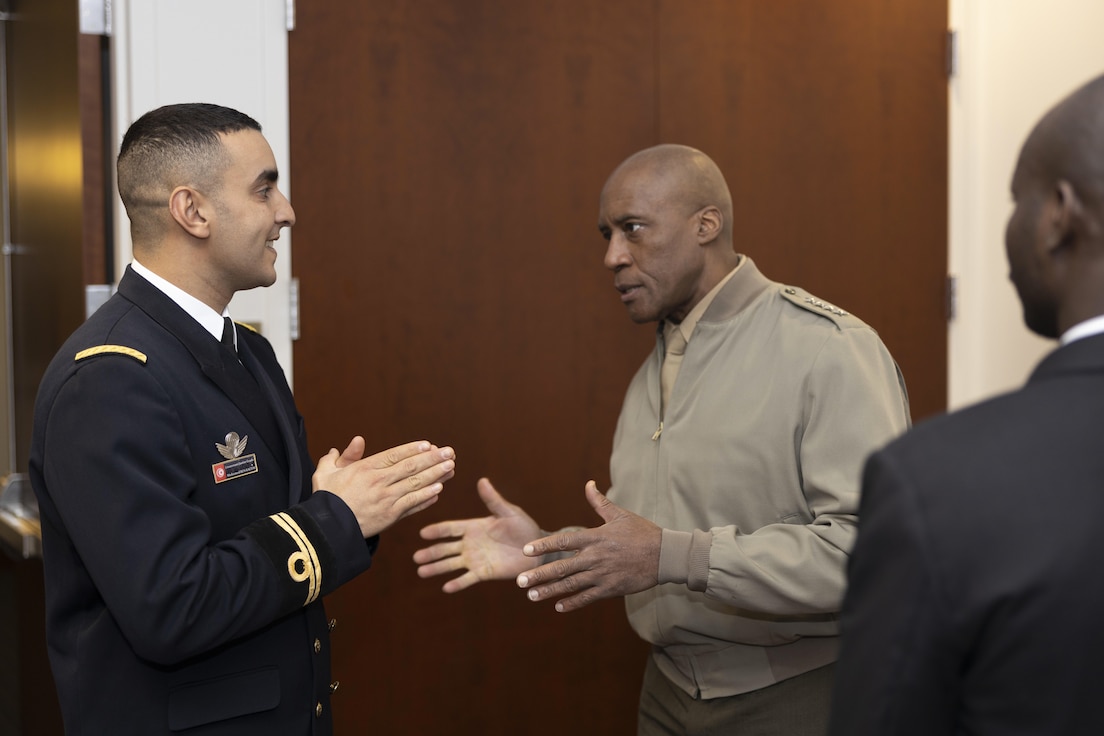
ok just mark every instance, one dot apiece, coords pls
pixel 625 218
pixel 269 176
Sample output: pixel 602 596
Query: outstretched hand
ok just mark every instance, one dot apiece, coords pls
pixel 488 548
pixel 615 559
pixel 388 486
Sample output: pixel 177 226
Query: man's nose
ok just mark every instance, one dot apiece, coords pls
pixel 285 213
pixel 617 255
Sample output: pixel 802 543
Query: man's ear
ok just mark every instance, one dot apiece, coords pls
pixel 710 224
pixel 189 209
pixel 1064 215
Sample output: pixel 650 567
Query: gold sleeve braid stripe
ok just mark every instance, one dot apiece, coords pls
pixel 111 349
pixel 303 566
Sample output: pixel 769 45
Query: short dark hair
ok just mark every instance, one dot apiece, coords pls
pixel 170 146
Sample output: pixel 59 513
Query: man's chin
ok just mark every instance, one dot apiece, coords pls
pixel 642 317
pixel 262 281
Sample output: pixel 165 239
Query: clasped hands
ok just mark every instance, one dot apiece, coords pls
pixel 383 488
pixel 617 558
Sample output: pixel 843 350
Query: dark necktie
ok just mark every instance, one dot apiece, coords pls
pixel 247 393
pixel 228 335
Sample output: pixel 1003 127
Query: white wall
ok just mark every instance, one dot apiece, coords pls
pixel 1016 59
pixel 228 52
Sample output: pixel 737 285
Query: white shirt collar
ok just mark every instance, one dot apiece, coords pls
pixel 208 318
pixel 1081 330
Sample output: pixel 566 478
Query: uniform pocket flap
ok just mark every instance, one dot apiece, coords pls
pixel 222 698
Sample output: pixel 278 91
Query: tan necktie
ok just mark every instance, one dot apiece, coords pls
pixel 676 346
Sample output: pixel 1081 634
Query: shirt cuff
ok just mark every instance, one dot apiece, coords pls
pixel 684 558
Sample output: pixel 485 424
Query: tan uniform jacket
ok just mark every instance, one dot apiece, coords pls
pixel 755 479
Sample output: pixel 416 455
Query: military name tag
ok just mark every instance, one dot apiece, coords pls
pixel 231 469
pixel 236 465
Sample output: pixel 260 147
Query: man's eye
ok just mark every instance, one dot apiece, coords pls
pixel 264 192
pixel 632 227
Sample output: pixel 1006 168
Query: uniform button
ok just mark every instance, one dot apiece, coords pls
pixel 333 624
pixel 317 646
pixel 334 686
pixel 318 710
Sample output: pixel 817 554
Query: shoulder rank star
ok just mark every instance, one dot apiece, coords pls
pixel 234 446
pixel 819 304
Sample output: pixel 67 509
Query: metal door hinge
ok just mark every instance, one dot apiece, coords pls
pixel 950 60
pixel 95 17
pixel 951 297
pixel 290 14
pixel 95 295
pixel 293 309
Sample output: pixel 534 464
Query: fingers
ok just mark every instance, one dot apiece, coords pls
pixel 329 460
pixel 561 578
pixel 419 470
pixel 417 499
pixel 424 504
pixel 395 455
pixel 445 529
pixel 445 558
pixel 491 498
pixel 605 508
pixel 552 574
pixel 388 486
pixel 440 567
pixel 429 555
pixel 561 542
pixel 353 452
pixel 457 584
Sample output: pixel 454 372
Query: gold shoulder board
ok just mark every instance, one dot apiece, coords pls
pixel 111 349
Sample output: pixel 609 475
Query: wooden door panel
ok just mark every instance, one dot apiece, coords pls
pixel 831 129
pixel 446 176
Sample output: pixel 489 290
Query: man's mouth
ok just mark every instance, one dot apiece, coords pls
pixel 627 291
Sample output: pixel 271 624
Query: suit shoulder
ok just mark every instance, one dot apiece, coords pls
pixel 251 333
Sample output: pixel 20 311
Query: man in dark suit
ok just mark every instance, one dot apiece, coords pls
pixel 976 596
pixel 186 543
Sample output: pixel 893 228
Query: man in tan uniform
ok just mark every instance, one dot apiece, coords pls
pixel 735 469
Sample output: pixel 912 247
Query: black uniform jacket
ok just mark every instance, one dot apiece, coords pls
pixel 976 599
pixel 183 550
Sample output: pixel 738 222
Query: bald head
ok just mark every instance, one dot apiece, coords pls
pixel 667 215
pixel 1055 236
pixel 685 175
pixel 1068 144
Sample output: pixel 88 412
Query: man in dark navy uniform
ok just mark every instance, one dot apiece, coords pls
pixel 187 537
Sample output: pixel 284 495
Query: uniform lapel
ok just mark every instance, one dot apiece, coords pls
pixel 283 421
pixel 234 380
